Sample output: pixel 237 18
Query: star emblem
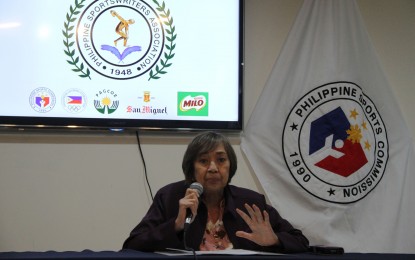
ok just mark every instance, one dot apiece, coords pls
pixel 294 126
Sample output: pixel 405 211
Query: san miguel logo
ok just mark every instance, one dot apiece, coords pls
pixel 335 143
pixel 119 39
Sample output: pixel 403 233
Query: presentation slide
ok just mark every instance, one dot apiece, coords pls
pixel 120 59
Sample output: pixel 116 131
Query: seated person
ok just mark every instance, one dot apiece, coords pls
pixel 224 216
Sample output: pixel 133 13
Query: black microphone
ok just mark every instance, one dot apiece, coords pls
pixel 189 215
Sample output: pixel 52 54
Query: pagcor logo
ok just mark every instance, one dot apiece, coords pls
pixel 192 103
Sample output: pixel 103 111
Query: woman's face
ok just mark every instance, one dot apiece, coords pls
pixel 212 170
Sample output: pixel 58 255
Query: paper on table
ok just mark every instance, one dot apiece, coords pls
pixel 174 251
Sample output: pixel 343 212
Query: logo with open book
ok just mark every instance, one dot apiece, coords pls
pixel 335 143
pixel 119 39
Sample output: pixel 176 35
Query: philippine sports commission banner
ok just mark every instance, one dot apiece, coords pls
pixel 327 139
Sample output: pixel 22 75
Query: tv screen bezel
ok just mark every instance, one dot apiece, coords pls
pixel 68 123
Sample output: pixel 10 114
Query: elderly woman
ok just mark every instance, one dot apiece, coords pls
pixel 224 216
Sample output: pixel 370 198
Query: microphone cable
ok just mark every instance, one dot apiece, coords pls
pixel 144 164
pixel 185 244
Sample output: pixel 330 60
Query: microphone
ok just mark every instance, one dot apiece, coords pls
pixel 199 189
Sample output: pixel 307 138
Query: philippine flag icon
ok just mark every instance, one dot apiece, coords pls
pixel 74 100
pixel 340 141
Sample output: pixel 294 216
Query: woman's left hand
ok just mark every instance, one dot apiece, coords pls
pixel 262 233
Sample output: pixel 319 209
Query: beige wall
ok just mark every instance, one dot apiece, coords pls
pixel 61 191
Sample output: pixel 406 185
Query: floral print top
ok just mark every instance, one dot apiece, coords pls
pixel 215 237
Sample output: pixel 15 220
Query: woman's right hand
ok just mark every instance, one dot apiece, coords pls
pixel 189 201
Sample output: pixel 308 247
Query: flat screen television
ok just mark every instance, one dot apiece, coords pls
pixel 121 64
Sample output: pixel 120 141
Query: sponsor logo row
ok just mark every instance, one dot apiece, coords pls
pixel 107 101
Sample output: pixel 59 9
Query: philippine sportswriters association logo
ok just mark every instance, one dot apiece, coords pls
pixel 335 143
pixel 119 39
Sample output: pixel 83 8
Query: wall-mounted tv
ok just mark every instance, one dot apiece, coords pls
pixel 127 64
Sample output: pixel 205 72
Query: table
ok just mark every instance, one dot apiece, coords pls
pixel 131 254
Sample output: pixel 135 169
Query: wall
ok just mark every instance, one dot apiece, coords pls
pixel 76 191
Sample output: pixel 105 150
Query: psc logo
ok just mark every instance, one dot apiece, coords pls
pixel 42 100
pixel 335 143
pixel 119 39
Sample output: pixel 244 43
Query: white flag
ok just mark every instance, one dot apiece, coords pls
pixel 327 139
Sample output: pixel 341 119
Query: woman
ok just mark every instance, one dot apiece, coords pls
pixel 224 216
